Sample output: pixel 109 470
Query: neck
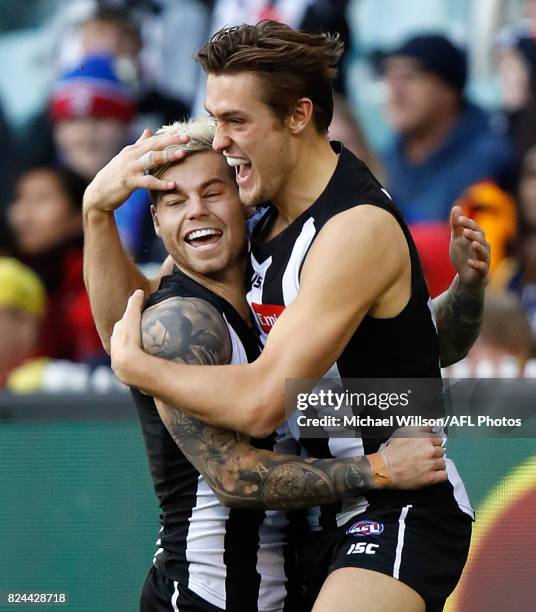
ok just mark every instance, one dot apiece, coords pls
pixel 314 167
pixel 423 141
pixel 228 284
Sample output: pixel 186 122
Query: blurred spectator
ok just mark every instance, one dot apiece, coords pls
pixel 496 213
pixel 112 31
pixel 6 157
pixel 46 220
pixel 443 144
pixel 518 272
pixel 345 128
pixel 22 306
pixel 505 334
pixel 92 108
pixel 517 76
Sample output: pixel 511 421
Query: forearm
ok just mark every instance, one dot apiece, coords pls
pixel 458 314
pixel 246 477
pixel 281 482
pixel 109 274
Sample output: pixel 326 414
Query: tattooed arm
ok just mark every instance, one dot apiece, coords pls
pixel 189 330
pixel 458 311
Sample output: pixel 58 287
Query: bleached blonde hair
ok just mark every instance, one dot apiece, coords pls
pixel 201 132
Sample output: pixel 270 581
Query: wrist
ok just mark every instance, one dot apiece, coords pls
pixel 381 477
pixel 129 367
pixel 469 299
pixel 470 290
pixel 92 211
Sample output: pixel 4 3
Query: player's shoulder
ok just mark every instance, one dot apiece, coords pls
pixel 366 222
pixel 187 328
pixel 355 242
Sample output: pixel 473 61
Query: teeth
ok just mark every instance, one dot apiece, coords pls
pixel 202 233
pixel 236 161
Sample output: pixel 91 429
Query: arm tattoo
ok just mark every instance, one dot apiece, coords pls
pixel 192 331
pixel 458 315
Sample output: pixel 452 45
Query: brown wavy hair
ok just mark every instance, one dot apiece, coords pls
pixel 290 64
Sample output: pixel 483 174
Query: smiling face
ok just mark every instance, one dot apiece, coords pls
pixel 248 133
pixel 202 221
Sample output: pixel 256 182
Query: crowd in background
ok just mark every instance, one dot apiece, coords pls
pixel 445 149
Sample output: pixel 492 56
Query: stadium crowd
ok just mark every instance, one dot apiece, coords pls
pixel 116 73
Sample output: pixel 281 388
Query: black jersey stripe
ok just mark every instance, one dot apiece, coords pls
pixel 175 482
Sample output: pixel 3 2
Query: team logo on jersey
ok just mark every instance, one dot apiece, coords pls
pixel 365 528
pixel 267 315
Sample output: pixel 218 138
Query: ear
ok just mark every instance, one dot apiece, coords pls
pixel 301 116
pixel 155 220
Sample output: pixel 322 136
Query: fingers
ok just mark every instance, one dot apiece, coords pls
pixel 155 158
pixel 439 452
pixel 439 476
pixel 158 143
pixel 439 464
pixel 152 183
pixel 469 223
pixel 455 216
pixel 147 133
pixel 135 303
pixel 475 234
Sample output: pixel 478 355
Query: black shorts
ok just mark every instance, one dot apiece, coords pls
pixel 424 548
pixel 161 594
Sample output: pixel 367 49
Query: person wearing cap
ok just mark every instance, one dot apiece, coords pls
pixel 92 108
pixel 22 307
pixel 443 144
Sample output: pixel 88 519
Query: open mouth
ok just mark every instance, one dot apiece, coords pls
pixel 203 238
pixel 242 168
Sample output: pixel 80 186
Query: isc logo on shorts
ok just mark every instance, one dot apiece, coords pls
pixel 362 548
pixel 365 528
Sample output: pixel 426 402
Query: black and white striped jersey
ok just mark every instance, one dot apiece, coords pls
pixel 233 558
pixel 405 346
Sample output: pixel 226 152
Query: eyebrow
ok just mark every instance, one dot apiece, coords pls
pixel 211 181
pixel 228 114
pixel 178 191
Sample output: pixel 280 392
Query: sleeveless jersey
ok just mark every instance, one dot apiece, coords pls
pixel 233 558
pixel 405 346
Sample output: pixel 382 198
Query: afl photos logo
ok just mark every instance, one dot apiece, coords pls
pixel 267 315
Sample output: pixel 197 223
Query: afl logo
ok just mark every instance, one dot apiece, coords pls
pixel 365 528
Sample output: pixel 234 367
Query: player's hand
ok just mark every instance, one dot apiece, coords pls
pixel 127 171
pixel 469 250
pixel 414 458
pixel 125 343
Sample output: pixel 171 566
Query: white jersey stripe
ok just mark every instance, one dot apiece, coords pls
pixel 291 277
pixel 205 546
pixel 400 542
pixel 239 352
pixel 175 596
pixel 460 494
